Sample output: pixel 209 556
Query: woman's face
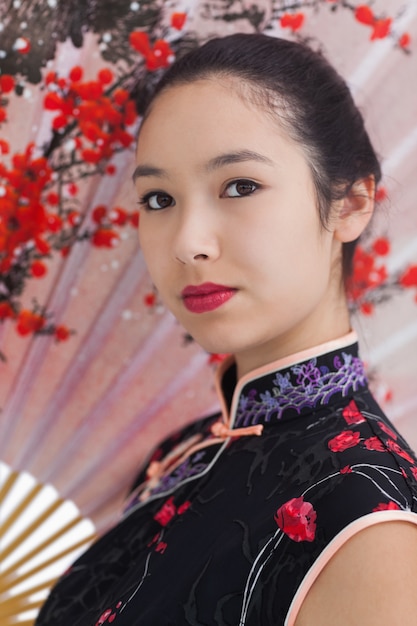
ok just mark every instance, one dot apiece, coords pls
pixel 229 227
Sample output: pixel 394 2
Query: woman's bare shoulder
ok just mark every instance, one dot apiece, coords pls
pixel 370 581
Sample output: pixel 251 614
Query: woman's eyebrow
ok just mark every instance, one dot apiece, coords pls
pixel 236 157
pixel 148 170
pixel 215 163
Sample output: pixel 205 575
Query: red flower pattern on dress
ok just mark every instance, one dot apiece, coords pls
pixel 297 519
pixel 387 430
pixel 386 506
pixel 344 440
pixel 166 513
pixel 373 443
pixel 352 414
pixel 414 471
pixel 346 470
pixel 394 447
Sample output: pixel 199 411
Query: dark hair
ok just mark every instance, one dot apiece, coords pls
pixel 311 99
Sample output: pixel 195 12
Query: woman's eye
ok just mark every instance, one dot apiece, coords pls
pixel 239 188
pixel 156 201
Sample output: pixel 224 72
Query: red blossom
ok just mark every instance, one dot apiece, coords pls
pixel 149 299
pixel 134 219
pixel 178 20
pixel 381 246
pixel 105 76
pixel 74 218
pixel 6 83
pixel 364 15
pixel 54 223
pixel 166 512
pixel 53 101
pixel 386 506
pixel 409 277
pixel 367 308
pixel 105 238
pixel 4 147
pixel 118 216
pixel 52 198
pixel 22 45
pixel 6 310
pixel 111 169
pixel 216 358
pixel 373 443
pixel 62 333
pixel 121 96
pixel 404 40
pixel 60 121
pixel 29 322
pixel 38 269
pixel 381 194
pixel 297 519
pixel 99 213
pixel 292 20
pixel 381 29
pixel 42 246
pixel 91 156
pixel 344 440
pixel 140 42
pixel 352 414
pixel 76 74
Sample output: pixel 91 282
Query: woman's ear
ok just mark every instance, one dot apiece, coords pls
pixel 353 212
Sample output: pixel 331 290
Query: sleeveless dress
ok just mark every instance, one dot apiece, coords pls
pixel 226 526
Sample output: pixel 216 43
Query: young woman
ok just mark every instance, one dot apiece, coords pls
pixel 297 504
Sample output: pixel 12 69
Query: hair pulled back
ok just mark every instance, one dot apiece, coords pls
pixel 311 100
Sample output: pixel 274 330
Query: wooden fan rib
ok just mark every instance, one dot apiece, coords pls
pixel 11 608
pixel 8 485
pixel 43 586
pixel 14 581
pixel 9 521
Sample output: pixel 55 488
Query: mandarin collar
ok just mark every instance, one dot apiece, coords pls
pixel 293 386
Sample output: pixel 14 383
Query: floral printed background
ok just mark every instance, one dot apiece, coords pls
pixel 94 371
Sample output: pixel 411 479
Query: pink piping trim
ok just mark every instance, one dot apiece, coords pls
pixel 287 361
pixel 347 533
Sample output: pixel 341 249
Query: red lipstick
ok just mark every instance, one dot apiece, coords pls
pixel 206 297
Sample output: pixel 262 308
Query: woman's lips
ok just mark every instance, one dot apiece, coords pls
pixel 206 297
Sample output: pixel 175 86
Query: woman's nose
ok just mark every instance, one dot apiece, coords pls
pixel 196 237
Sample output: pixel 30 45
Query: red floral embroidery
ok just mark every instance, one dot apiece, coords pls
pixel 386 506
pixel 297 519
pixel 352 414
pixel 387 430
pixel 414 472
pixel 373 443
pixel 344 440
pixel 346 470
pixel 394 447
pixel 161 547
pixel 166 512
pixel 183 507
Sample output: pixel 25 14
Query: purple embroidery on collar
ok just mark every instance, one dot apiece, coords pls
pixel 304 385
